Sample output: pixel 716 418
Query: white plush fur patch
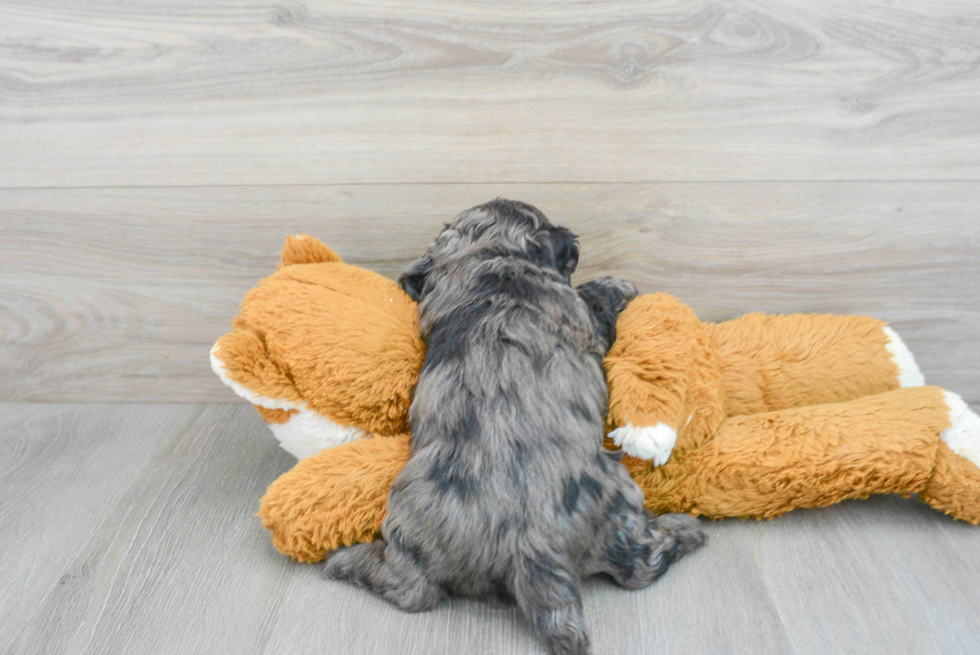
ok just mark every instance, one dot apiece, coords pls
pixel 306 432
pixel 909 374
pixel 654 442
pixel 218 367
pixel 963 436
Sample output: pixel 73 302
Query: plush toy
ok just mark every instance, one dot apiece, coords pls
pixel 748 418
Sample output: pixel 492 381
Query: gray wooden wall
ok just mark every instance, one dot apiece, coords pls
pixel 117 294
pixel 777 156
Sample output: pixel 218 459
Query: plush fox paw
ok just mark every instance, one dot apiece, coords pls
pixel 963 436
pixel 653 442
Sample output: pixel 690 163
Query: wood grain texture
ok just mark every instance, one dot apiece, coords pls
pixel 174 561
pixel 130 529
pixel 64 471
pixel 215 92
pixel 118 294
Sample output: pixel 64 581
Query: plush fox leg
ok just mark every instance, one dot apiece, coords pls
pixel 770 363
pixel 954 487
pixel 334 498
pixel 766 464
pixel 673 379
pixel 918 440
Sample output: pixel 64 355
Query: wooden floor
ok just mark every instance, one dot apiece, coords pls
pixel 747 156
pixel 129 528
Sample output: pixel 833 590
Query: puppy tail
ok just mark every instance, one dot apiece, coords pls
pixel 547 590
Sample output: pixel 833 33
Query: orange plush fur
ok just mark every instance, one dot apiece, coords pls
pixel 324 344
pixel 770 413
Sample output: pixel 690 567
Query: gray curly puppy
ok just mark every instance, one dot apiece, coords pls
pixel 508 494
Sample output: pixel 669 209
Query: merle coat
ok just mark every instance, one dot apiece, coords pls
pixel 508 493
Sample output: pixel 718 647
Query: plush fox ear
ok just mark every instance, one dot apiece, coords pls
pixel 304 249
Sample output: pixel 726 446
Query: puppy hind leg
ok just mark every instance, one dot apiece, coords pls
pixel 685 529
pixel 548 593
pixel 639 548
pixel 384 572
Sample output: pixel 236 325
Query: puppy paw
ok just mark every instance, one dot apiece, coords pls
pixel 337 566
pixel 625 290
pixel 652 442
pixel 611 293
pixel 685 529
pixel 346 563
pixel 963 436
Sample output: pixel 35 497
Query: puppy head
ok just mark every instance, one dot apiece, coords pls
pixel 507 228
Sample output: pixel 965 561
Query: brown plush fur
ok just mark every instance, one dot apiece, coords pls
pixel 772 412
pixel 317 320
pixel 954 486
pixel 764 465
pixel 667 366
pixel 759 465
pixel 324 503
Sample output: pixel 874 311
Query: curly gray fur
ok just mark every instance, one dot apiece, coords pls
pixel 508 493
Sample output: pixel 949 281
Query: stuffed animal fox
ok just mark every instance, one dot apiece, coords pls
pixel 751 417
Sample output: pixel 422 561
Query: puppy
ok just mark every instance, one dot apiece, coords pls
pixel 508 494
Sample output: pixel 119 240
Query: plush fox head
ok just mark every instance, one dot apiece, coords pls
pixel 327 352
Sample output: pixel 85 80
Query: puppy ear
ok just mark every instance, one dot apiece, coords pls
pixel 605 303
pixel 413 279
pixel 564 246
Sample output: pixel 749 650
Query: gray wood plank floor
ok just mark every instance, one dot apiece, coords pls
pixel 129 528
